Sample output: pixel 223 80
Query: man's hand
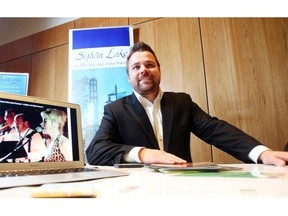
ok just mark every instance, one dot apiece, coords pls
pixel 277 158
pixel 149 156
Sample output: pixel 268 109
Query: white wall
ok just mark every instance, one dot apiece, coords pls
pixel 15 28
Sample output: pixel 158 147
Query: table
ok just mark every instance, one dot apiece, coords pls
pixel 262 186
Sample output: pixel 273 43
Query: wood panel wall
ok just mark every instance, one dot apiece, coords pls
pixel 247 75
pixel 234 68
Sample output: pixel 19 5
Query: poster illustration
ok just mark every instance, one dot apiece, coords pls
pixel 97 72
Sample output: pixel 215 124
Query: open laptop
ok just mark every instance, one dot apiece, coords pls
pixel 12 171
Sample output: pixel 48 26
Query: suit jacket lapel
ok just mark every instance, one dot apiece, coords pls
pixel 139 113
pixel 167 109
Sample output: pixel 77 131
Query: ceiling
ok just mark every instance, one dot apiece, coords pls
pixel 15 28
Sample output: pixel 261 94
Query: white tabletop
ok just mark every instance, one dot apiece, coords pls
pixel 145 187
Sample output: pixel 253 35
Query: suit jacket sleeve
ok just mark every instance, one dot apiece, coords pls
pixel 124 125
pixel 222 134
pixel 181 116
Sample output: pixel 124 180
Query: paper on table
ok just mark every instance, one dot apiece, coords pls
pixel 65 190
pixel 201 166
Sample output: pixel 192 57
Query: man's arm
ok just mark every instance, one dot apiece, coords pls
pixel 106 147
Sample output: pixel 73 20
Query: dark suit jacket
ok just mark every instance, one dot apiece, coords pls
pixel 126 125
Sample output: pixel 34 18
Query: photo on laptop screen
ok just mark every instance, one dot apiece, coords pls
pixel 45 144
pixel 32 130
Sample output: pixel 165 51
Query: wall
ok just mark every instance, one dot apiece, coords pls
pixel 234 68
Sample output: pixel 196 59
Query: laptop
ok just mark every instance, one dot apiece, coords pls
pixel 14 173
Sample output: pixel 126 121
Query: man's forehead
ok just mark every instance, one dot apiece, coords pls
pixel 9 115
pixel 141 56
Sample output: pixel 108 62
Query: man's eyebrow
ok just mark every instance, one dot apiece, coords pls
pixel 145 62
pixel 150 61
pixel 135 63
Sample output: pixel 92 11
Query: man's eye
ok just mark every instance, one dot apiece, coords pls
pixel 150 65
pixel 136 67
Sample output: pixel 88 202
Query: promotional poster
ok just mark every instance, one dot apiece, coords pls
pixel 97 72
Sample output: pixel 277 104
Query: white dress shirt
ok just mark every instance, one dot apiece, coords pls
pixel 153 110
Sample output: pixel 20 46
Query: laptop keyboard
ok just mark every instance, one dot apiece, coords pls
pixel 45 172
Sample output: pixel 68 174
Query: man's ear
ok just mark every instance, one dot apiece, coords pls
pixel 26 123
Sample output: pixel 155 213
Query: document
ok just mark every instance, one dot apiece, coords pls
pixel 200 167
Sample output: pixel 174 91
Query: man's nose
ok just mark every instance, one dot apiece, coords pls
pixel 143 69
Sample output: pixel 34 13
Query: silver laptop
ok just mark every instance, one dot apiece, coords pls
pixel 14 172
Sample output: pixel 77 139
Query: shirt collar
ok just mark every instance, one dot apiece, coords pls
pixel 146 102
pixel 25 133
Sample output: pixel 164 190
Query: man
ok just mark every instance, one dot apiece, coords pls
pixel 30 139
pixel 8 131
pixel 151 126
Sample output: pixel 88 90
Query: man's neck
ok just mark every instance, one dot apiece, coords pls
pixel 151 96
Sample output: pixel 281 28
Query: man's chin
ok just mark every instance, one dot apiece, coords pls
pixel 146 87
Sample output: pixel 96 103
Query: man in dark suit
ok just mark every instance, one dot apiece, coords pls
pixel 151 126
pixel 31 140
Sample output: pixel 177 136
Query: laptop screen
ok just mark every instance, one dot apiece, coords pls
pixel 37 132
